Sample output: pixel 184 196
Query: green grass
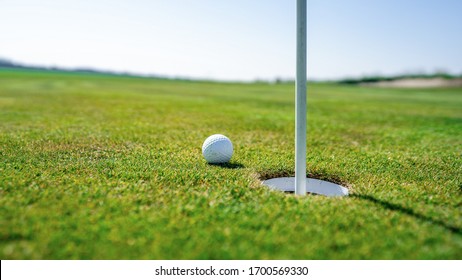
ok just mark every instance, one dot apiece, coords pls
pixel 101 167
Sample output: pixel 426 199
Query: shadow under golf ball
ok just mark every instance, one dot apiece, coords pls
pixel 228 165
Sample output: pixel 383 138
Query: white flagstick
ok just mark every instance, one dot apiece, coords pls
pixel 300 184
pixel 300 102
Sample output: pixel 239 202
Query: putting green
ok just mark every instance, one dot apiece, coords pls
pixel 106 167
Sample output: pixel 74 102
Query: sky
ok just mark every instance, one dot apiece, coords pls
pixel 235 39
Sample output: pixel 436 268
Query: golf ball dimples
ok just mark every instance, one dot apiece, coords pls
pixel 217 149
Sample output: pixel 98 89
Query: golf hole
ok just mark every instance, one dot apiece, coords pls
pixel 314 186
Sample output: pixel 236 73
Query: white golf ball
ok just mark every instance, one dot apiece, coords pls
pixel 217 149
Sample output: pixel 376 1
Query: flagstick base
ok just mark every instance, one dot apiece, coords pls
pixel 313 186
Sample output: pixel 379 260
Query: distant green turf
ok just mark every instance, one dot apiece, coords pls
pixel 106 167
